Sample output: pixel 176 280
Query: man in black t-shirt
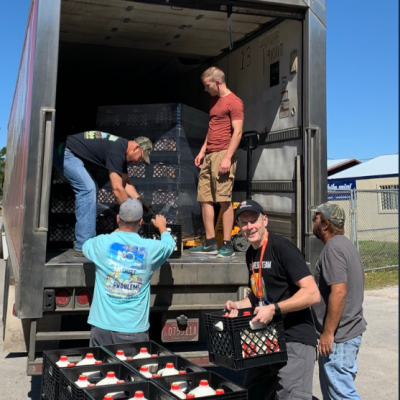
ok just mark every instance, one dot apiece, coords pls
pixel 92 151
pixel 285 287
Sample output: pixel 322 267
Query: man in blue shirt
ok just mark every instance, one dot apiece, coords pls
pixel 125 263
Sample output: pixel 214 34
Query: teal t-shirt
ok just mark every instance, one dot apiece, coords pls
pixel 125 263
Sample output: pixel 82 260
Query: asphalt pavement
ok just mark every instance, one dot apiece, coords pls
pixel 378 374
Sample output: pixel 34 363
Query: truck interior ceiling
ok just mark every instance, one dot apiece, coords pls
pixel 115 52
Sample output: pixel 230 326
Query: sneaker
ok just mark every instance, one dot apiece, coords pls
pixel 78 253
pixel 202 249
pixel 225 251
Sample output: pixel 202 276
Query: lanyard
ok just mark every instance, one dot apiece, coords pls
pixel 258 282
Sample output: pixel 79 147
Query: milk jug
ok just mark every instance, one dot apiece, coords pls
pixel 144 370
pixel 63 362
pixel 110 379
pixel 82 381
pixel 121 355
pixel 138 395
pixel 142 354
pixel 88 360
pixel 176 390
pixel 203 389
pixel 168 370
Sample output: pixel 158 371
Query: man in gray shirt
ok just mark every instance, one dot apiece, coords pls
pixel 338 316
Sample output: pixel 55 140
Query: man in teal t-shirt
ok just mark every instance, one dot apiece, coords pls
pixel 125 263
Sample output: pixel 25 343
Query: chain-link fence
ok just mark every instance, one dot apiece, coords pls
pixel 372 224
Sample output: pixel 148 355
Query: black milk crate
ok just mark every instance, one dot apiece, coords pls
pixel 51 371
pixel 126 391
pixel 157 363
pixel 237 346
pixel 216 381
pixel 132 349
pixel 151 232
pixel 68 390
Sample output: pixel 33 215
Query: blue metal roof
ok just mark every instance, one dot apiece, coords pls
pixel 378 166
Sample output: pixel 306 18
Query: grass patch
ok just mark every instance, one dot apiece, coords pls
pixel 381 278
pixel 379 254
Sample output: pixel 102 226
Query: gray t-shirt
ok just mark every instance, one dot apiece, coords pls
pixel 340 262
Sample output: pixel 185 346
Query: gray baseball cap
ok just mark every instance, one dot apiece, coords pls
pixel 333 212
pixel 147 147
pixel 131 210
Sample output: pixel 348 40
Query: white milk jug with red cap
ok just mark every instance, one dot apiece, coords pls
pixel 139 395
pixel 120 355
pixel 203 389
pixel 88 360
pixel 168 370
pixel 142 354
pixel 63 362
pixel 82 381
pixel 144 370
pixel 110 379
pixel 176 390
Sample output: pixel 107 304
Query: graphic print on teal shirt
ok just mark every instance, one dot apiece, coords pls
pixel 128 269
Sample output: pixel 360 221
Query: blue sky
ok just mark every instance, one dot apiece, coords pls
pixel 362 74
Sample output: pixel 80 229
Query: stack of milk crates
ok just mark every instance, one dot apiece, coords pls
pixel 238 344
pixel 143 370
pixel 169 183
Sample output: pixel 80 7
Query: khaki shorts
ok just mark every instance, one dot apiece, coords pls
pixel 213 186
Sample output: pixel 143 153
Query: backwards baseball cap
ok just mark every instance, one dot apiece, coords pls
pixel 131 210
pixel 147 147
pixel 333 212
pixel 249 205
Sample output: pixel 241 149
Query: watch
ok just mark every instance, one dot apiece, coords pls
pixel 277 309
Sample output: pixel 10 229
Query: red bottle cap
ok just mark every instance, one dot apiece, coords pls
pixel 110 374
pixel 220 391
pixel 182 372
pixel 143 350
pixel 89 355
pixel 82 378
pixel 138 394
pixel 120 353
pixel 204 382
pixel 154 355
pixel 98 362
pixel 63 358
pixel 175 386
pixel 190 396
pixel 144 368
pixel 107 397
pixel 71 365
pixel 246 313
pixel 169 365
pixel 120 382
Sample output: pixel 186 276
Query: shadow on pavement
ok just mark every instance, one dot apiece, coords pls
pixel 36 382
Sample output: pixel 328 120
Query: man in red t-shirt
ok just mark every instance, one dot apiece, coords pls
pixel 217 160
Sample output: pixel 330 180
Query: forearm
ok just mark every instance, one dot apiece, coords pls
pixel 245 303
pixel 120 193
pixel 131 191
pixel 303 298
pixel 234 143
pixel 334 313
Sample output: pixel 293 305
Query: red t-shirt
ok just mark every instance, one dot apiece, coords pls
pixel 223 110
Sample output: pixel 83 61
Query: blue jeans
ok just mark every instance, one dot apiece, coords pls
pixel 84 187
pixel 338 371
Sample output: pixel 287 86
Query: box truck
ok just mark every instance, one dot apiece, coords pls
pixel 80 57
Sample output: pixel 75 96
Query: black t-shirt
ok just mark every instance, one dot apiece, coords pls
pixel 282 266
pixel 99 150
